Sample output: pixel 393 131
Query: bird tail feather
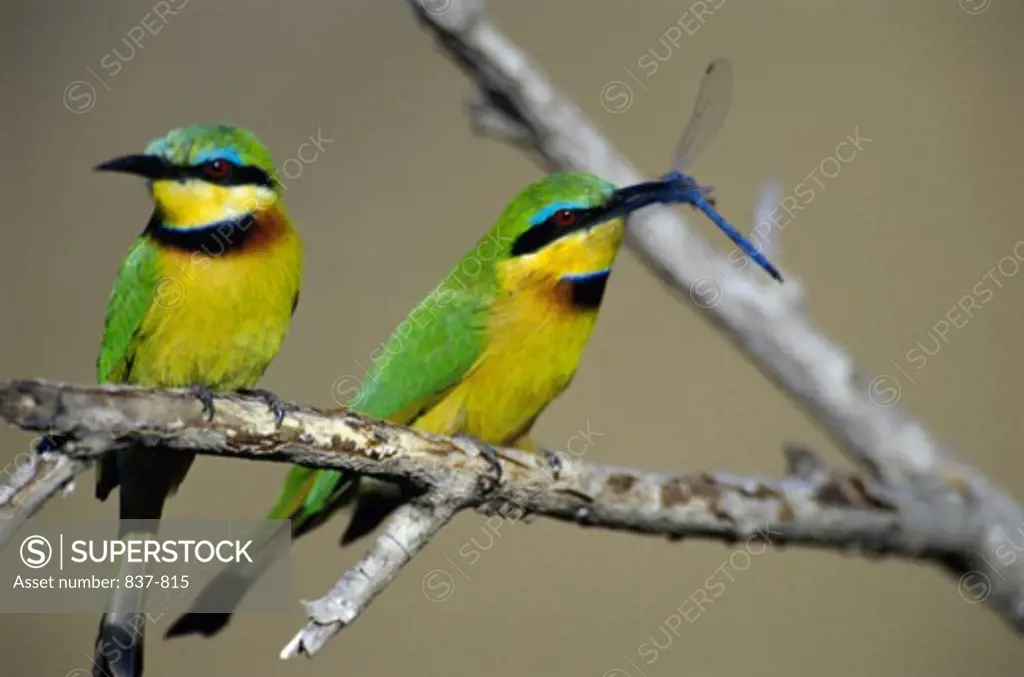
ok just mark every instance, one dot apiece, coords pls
pixel 118 649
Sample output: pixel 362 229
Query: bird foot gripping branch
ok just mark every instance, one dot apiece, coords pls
pixel 205 397
pixel 554 462
pixel 279 408
pixel 489 454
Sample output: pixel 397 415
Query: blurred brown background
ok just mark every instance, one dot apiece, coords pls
pixel 888 246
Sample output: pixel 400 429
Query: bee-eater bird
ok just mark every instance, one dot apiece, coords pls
pixel 482 356
pixel 203 300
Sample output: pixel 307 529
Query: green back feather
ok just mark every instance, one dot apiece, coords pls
pixel 427 354
pixel 128 304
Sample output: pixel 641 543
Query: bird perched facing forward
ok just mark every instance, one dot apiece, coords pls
pixel 482 355
pixel 204 300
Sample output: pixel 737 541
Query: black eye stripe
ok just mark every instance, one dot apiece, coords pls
pixel 552 228
pixel 236 175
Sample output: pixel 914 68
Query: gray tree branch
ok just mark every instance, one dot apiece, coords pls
pixel 810 505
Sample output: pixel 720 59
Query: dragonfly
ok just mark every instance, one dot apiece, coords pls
pixel 714 98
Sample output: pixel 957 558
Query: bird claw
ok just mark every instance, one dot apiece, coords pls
pixel 489 454
pixel 279 408
pixel 554 462
pixel 204 395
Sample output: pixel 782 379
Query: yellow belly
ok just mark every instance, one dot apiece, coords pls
pixel 532 353
pixel 218 321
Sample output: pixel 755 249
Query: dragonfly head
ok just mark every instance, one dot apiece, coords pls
pixel 685 188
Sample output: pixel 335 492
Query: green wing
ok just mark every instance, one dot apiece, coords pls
pixel 129 302
pixel 127 307
pixel 427 354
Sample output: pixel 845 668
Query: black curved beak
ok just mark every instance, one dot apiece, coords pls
pixel 147 166
pixel 629 199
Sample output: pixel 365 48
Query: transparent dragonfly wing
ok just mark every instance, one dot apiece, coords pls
pixel 714 98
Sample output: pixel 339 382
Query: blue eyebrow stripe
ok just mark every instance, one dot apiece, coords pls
pixel 545 213
pixel 229 154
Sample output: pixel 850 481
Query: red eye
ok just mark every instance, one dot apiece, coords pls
pixel 565 217
pixel 217 169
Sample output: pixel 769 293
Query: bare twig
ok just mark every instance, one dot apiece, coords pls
pixel 30 486
pixel 766 320
pixel 407 532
